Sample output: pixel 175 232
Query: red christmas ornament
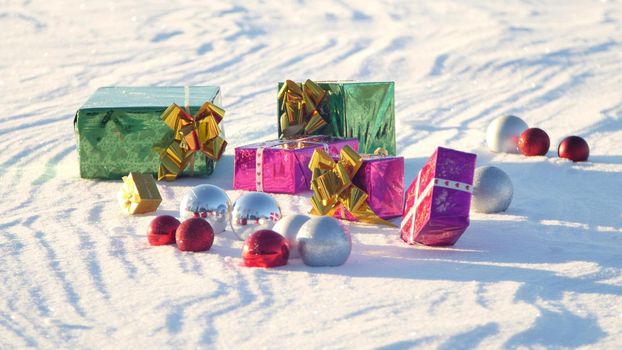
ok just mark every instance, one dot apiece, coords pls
pixel 265 248
pixel 534 142
pixel 162 230
pixel 195 235
pixel 574 148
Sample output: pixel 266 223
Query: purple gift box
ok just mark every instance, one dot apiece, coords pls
pixel 382 178
pixel 281 166
pixel 436 211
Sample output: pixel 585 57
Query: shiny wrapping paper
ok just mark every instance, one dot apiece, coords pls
pixel 120 130
pixel 346 186
pixel 362 110
pixel 284 163
pixel 436 210
pixel 382 178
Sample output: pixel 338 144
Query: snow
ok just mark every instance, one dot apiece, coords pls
pixel 75 272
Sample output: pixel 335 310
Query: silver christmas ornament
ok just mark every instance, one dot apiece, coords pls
pixel 492 190
pixel 288 227
pixel 322 241
pixel 208 202
pixel 503 133
pixel 254 211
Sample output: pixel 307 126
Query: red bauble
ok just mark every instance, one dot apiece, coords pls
pixel 162 230
pixel 265 248
pixel 195 235
pixel 534 142
pixel 574 148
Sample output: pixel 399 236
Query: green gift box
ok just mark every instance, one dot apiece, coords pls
pixel 120 129
pixel 363 110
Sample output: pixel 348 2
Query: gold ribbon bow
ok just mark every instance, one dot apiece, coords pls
pixel 198 133
pixel 300 108
pixel 139 194
pixel 333 189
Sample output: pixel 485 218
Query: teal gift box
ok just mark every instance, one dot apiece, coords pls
pixel 120 129
pixel 362 110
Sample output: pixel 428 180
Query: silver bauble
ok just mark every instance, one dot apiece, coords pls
pixel 322 241
pixel 208 202
pixel 288 227
pixel 254 211
pixel 503 133
pixel 492 190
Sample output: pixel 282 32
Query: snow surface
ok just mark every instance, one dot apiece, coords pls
pixel 75 272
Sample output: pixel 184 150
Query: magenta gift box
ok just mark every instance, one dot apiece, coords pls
pixel 382 178
pixel 281 166
pixel 436 210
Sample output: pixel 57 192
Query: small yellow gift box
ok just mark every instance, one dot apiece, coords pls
pixel 139 194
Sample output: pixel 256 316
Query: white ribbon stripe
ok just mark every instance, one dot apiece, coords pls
pixel 259 169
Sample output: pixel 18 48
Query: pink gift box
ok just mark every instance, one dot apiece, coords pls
pixel 281 166
pixel 382 178
pixel 436 210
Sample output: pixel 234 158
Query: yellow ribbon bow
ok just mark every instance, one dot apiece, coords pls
pixel 333 189
pixel 139 194
pixel 300 108
pixel 127 196
pixel 198 133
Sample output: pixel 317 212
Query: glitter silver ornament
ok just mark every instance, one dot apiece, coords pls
pixel 492 190
pixel 252 212
pixel 322 241
pixel 503 133
pixel 208 202
pixel 288 227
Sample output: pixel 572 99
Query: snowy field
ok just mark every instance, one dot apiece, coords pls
pixel 75 272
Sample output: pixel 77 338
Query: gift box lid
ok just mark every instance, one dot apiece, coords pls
pixel 150 96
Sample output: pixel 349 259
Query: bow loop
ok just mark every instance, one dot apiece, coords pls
pixel 314 92
pixel 198 133
pixel 321 160
pixel 356 200
pixel 350 160
pixel 333 189
pixel 207 129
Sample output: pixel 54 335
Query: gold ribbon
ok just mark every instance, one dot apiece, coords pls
pixel 381 152
pixel 198 133
pixel 300 108
pixel 333 188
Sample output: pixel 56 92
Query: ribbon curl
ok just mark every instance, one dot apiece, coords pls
pixel 198 133
pixel 333 190
pixel 301 108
